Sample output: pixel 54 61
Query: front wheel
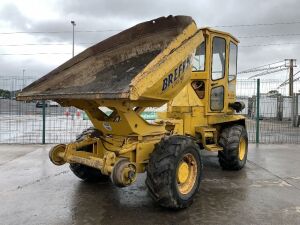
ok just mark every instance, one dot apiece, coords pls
pixel 234 140
pixel 174 172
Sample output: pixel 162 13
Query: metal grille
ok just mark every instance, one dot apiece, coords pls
pixel 22 122
pixel 278 112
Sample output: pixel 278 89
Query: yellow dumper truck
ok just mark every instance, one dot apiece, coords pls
pixel 166 61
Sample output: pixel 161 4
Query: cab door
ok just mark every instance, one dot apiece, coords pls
pixel 217 81
pixel 232 71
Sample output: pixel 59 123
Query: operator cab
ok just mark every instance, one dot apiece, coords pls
pixel 215 70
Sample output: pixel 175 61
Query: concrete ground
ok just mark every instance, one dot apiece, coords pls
pixel 266 191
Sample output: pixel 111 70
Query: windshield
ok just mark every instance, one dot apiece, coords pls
pixel 199 58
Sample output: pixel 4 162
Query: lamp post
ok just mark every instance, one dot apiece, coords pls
pixel 23 77
pixel 73 24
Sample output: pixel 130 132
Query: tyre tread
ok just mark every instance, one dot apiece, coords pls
pixel 160 167
pixel 229 140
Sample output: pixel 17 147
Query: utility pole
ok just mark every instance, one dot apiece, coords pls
pixel 291 78
pixel 291 65
pixel 73 24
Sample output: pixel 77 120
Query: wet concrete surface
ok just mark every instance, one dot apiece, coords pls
pixel 266 191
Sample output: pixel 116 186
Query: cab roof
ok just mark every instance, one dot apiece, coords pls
pixel 219 32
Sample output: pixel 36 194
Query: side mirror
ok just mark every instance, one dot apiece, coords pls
pixel 237 106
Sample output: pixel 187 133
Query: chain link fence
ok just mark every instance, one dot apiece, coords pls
pixel 22 122
pixel 276 120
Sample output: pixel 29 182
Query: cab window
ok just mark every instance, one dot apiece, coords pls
pixel 217 98
pixel 232 61
pixel 199 58
pixel 218 58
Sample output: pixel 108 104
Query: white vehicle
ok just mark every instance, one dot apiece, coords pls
pixel 52 104
pixel 48 103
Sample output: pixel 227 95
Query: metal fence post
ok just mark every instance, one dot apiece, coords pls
pixel 296 111
pixel 44 123
pixel 257 110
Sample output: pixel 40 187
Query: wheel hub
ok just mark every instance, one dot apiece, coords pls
pixel 56 154
pixel 186 174
pixel 183 172
pixel 124 173
pixel 242 148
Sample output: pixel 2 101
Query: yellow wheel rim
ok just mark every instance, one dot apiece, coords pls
pixel 242 148
pixel 186 174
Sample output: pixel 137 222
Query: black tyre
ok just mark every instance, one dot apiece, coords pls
pixel 234 140
pixel 84 172
pixel 174 172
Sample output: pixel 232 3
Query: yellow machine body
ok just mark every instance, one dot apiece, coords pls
pixel 167 79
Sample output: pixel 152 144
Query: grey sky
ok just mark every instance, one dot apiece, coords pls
pixel 44 16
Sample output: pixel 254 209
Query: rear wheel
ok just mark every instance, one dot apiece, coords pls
pixel 84 172
pixel 234 141
pixel 174 172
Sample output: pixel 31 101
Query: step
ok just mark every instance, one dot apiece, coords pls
pixel 213 147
